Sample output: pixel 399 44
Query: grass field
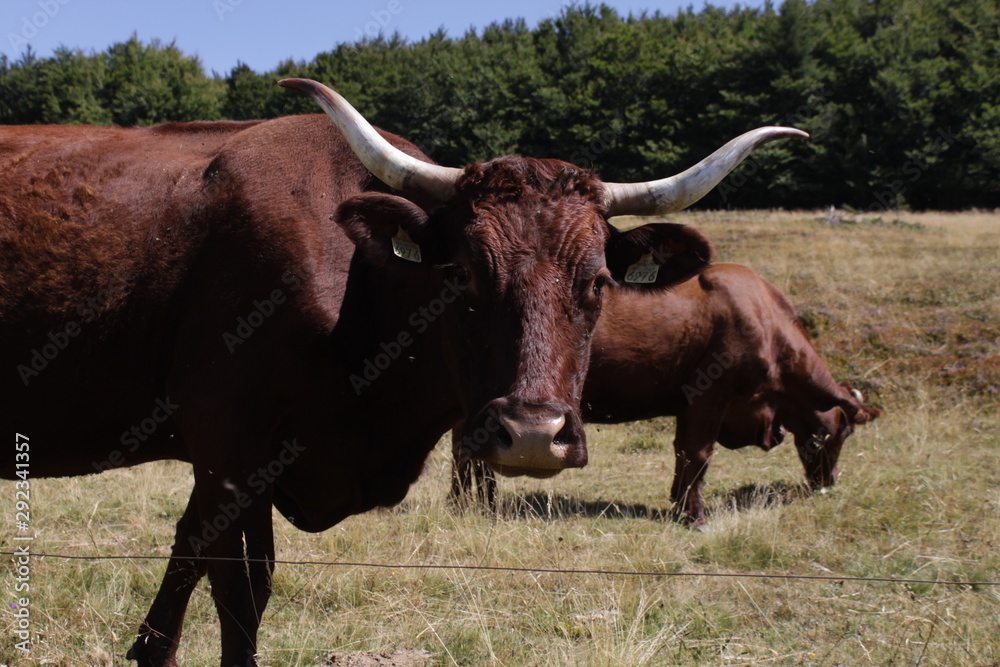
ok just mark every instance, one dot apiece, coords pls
pixel 907 309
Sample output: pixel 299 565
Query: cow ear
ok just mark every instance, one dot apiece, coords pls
pixel 658 255
pixel 389 230
pixel 864 413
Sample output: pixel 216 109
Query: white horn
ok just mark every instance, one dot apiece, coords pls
pixel 389 164
pixel 678 192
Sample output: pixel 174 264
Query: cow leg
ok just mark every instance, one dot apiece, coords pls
pixel 241 560
pixel 486 484
pixel 461 481
pixel 467 473
pixel 461 471
pixel 694 443
pixel 160 632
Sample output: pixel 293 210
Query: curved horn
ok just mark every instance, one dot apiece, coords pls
pixel 678 192
pixel 389 164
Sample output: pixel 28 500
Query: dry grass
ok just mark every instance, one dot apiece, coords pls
pixel 908 310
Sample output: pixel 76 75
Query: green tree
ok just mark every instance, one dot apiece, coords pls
pixel 248 94
pixel 22 96
pixel 147 84
pixel 901 97
pixel 72 82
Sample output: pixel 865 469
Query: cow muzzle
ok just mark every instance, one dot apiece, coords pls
pixel 820 452
pixel 819 458
pixel 821 481
pixel 538 440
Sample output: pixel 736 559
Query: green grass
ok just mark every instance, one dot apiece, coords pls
pixel 908 312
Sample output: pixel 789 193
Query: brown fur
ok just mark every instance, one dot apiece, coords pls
pixel 220 293
pixel 726 354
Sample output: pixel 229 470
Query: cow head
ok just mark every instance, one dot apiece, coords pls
pixel 820 451
pixel 528 245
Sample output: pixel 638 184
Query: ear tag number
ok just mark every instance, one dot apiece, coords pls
pixel 644 271
pixel 405 248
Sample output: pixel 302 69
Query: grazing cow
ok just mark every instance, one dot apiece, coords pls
pixel 300 313
pixel 725 353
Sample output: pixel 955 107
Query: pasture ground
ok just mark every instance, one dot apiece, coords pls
pixel 904 306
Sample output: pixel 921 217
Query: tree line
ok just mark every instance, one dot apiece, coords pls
pixel 901 97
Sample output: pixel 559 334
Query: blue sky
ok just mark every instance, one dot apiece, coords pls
pixel 263 33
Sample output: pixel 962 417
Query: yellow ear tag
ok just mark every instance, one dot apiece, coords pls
pixel 404 247
pixel 644 271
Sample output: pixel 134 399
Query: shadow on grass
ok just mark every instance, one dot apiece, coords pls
pixel 554 507
pixel 551 507
pixel 755 496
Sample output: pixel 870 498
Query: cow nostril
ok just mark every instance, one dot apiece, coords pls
pixel 565 436
pixel 504 438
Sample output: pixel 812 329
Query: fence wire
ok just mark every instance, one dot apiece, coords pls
pixel 529 570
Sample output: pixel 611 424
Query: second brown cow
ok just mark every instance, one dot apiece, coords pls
pixel 726 354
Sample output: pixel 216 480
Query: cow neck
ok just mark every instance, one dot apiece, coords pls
pixel 389 340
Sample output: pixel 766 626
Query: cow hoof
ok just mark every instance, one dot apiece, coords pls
pixel 147 654
pixel 688 520
pixel 701 526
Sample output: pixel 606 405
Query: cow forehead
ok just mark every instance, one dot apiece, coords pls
pixel 519 212
pixel 534 245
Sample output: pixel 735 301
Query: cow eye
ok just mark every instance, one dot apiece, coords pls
pixel 460 276
pixel 600 282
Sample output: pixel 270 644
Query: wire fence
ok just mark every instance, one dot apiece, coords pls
pixel 533 570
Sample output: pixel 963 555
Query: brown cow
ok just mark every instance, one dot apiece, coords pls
pixel 183 292
pixel 724 353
